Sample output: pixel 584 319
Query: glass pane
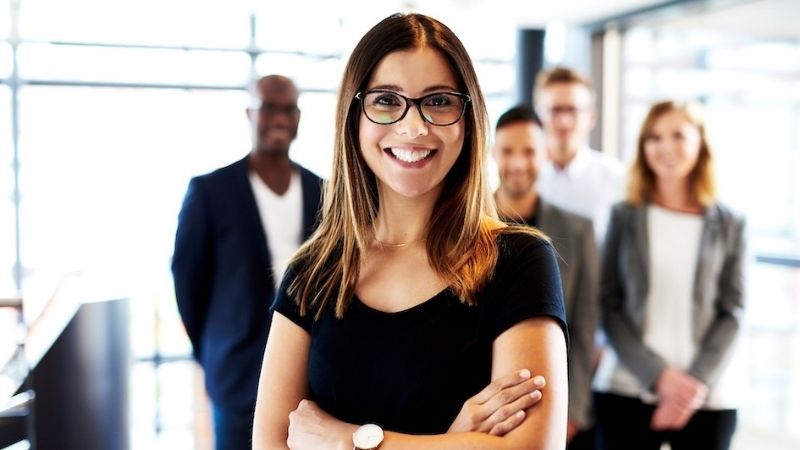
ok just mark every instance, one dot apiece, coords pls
pixel 131 65
pixel 773 346
pixel 730 128
pixel 638 82
pixel 103 175
pixel 6 60
pixel 307 72
pixel 5 18
pixel 143 401
pixel 495 43
pixel 496 79
pixel 152 22
pixel 778 56
pixel 313 147
pixel 165 394
pixel 318 33
pixel 176 392
pixel 7 215
pixel 639 45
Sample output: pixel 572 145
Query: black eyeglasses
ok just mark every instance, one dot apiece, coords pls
pixel 387 107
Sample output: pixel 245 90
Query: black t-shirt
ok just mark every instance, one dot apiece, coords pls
pixel 412 370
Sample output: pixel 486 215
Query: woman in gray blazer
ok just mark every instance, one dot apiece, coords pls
pixel 672 296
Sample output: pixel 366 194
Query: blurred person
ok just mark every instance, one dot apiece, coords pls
pixel 237 230
pixel 520 151
pixel 576 177
pixel 411 297
pixel 672 296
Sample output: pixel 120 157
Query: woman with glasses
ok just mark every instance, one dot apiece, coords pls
pixel 412 296
pixel 672 294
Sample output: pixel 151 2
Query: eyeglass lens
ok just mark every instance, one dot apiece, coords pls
pixel 389 107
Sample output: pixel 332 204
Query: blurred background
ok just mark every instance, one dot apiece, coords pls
pixel 107 108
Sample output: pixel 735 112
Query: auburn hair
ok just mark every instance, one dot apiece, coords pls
pixel 642 180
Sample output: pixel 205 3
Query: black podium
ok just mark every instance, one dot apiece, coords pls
pixel 80 383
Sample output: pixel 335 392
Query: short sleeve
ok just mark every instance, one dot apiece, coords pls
pixel 526 284
pixel 287 307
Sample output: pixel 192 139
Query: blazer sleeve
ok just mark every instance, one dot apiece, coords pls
pixel 621 330
pixel 582 326
pixel 192 263
pixel 729 304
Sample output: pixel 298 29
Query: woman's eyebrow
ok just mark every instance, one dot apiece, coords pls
pixel 439 87
pixel 395 88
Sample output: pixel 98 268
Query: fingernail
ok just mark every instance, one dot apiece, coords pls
pixel 524 374
pixel 536 395
pixel 520 414
pixel 539 380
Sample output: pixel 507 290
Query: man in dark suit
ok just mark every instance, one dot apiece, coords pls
pixel 237 229
pixel 519 150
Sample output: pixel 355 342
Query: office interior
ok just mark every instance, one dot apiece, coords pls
pixel 107 109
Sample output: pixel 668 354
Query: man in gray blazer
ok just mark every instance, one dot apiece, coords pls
pixel 519 151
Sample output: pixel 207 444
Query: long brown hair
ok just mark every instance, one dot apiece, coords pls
pixel 642 182
pixel 460 241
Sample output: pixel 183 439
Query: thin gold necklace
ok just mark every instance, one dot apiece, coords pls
pixel 401 244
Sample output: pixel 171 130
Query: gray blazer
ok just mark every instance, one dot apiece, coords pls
pixel 718 291
pixel 578 261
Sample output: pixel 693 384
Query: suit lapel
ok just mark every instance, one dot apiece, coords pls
pixel 706 250
pixel 550 223
pixel 641 241
pixel 310 186
pixel 251 216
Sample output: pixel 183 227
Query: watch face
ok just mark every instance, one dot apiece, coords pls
pixel 368 436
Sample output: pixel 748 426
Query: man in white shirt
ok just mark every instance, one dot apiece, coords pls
pixel 237 229
pixel 576 178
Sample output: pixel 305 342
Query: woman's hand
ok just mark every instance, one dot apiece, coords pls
pixel 312 428
pixel 680 395
pixel 669 416
pixel 500 406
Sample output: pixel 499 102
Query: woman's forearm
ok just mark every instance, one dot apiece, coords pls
pixel 459 441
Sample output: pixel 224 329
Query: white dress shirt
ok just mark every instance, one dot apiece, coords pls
pixel 589 185
pixel 282 219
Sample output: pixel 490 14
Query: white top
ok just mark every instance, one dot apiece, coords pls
pixel 668 309
pixel 590 184
pixel 282 219
pixel 667 327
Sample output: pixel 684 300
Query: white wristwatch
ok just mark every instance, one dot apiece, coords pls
pixel 367 437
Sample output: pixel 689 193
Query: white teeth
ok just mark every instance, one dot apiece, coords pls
pixel 409 156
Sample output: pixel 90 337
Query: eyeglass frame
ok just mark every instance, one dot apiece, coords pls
pixel 414 101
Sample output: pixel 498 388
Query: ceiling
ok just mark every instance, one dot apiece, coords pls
pixel 766 18
pixel 763 18
pixel 531 13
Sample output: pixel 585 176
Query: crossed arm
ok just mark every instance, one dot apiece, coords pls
pixel 283 419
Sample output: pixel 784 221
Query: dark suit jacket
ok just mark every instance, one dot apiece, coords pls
pixel 573 238
pixel 718 294
pixel 223 281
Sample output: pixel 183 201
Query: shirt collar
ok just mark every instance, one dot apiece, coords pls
pixel 577 165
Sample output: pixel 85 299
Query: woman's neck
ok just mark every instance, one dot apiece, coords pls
pixel 675 195
pixel 402 220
